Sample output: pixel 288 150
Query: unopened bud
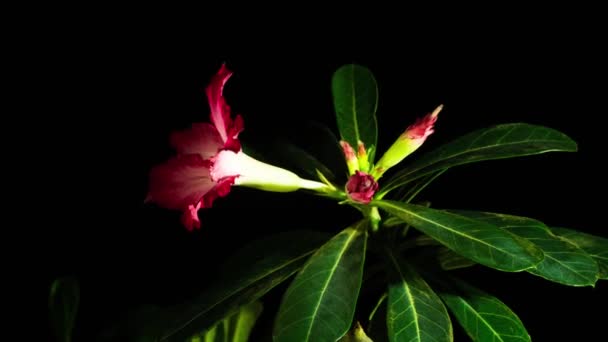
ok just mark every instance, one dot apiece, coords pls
pixel 408 142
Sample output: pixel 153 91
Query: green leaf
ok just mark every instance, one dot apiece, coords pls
pixel 450 260
pixel 355 96
pixel 235 328
pixel 483 317
pixel 497 142
pixel 564 262
pixel 250 274
pixel 64 297
pixel 595 246
pixel 479 241
pixel 319 305
pixel 413 191
pixel 415 312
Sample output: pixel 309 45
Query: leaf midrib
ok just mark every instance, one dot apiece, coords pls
pixel 475 150
pixel 333 270
pixel 445 227
pixel 449 229
pixel 408 294
pixel 580 275
pixel 481 318
pixel 354 103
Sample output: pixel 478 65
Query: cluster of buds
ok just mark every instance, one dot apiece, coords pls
pixel 363 181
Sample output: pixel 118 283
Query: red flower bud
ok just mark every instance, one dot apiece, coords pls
pixel 361 187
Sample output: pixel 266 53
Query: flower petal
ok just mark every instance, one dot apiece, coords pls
pixel 222 189
pixel 202 138
pixel 220 111
pixel 361 187
pixel 190 217
pixel 423 127
pixel 180 182
pixel 233 143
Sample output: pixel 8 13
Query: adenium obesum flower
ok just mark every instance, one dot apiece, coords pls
pixel 408 142
pixel 361 187
pixel 210 160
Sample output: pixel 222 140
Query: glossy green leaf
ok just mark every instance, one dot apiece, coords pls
pixel 408 194
pixel 497 142
pixel 235 328
pixel 477 240
pixel 250 274
pixel 564 262
pixel 415 313
pixel 64 299
pixel 483 317
pixel 319 305
pixel 450 260
pixel 355 96
pixel 595 246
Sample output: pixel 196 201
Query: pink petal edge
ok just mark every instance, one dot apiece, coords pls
pixel 220 111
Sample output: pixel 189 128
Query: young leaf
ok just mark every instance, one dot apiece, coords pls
pixel 564 262
pixel 235 328
pixel 477 240
pixel 415 313
pixel 319 305
pixel 251 273
pixel 498 142
pixel 355 95
pixel 595 246
pixel 64 297
pixel 483 317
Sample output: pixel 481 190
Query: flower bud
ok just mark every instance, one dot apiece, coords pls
pixel 362 157
pixel 361 187
pixel 352 162
pixel 408 142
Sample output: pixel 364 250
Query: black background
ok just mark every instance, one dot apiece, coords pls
pixel 113 96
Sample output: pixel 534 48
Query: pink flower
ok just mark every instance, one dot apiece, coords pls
pixel 209 161
pixel 361 187
pixel 194 178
